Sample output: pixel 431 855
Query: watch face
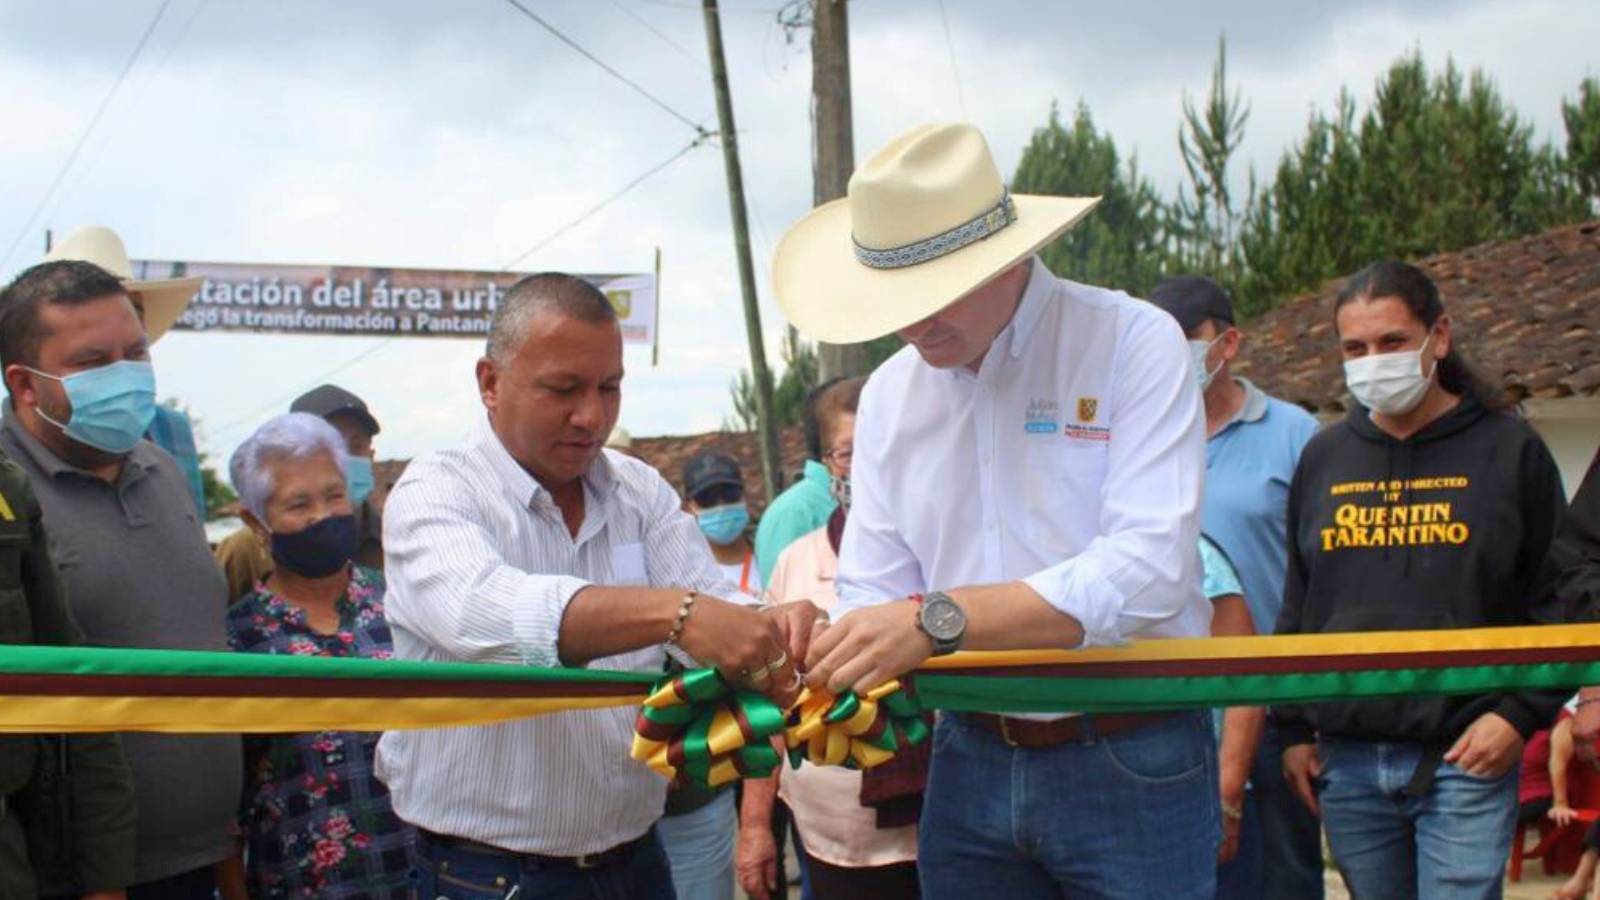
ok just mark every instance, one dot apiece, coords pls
pixel 943 619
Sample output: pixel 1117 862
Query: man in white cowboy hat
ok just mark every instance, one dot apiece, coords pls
pixel 159 303
pixel 1027 474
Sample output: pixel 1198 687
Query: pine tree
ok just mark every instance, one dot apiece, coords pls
pixel 1582 118
pixel 1204 220
pixel 1122 242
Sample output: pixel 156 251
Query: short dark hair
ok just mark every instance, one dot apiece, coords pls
pixel 66 282
pixel 831 399
pixel 557 292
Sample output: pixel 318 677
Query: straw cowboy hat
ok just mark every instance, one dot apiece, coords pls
pixel 163 300
pixel 927 221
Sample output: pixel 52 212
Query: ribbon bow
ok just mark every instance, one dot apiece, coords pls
pixel 695 728
pixel 854 731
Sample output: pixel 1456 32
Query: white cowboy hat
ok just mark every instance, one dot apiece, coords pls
pixel 163 300
pixel 927 220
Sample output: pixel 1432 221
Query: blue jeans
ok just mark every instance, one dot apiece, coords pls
pixel 699 847
pixel 1131 815
pixel 1291 837
pixel 1450 844
pixel 457 873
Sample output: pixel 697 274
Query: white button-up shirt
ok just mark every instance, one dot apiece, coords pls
pixel 1073 461
pixel 480 568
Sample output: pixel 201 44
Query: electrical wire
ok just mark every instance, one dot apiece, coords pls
pixel 701 139
pixel 84 137
pixel 699 129
pixel 662 35
pixel 950 47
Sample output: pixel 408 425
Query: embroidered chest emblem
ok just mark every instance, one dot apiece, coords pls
pixel 1087 407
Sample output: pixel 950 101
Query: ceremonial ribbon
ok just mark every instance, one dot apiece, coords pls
pixel 54 689
pixel 696 728
pixel 855 731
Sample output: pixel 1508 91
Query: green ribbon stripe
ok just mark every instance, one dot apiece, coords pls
pixel 974 693
pixel 108 661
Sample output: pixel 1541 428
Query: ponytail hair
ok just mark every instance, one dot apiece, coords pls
pixel 1411 286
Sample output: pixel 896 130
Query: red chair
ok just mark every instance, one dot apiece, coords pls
pixel 1560 846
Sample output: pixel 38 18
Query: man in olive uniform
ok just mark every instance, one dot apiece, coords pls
pixel 66 802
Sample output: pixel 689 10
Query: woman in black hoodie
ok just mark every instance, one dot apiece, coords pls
pixel 1428 507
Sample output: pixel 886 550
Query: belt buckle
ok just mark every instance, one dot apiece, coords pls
pixel 1005 732
pixel 587 860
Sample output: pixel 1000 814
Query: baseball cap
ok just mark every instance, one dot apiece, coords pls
pixel 1192 299
pixel 708 469
pixel 328 399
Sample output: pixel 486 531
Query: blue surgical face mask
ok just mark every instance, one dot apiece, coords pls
pixel 358 475
pixel 112 406
pixel 1198 351
pixel 722 525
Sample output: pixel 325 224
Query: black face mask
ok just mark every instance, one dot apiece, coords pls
pixel 319 550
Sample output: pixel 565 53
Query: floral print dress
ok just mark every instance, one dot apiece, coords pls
pixel 316 820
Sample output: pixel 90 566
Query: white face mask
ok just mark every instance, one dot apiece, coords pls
pixel 1198 351
pixel 1390 383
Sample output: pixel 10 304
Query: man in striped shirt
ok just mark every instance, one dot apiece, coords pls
pixel 530 545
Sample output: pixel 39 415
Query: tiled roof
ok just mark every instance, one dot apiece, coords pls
pixel 669 454
pixel 1525 313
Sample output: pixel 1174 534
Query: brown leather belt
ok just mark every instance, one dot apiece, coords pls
pixel 585 861
pixel 1033 734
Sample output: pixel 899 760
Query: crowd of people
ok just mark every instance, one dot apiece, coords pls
pixel 1045 465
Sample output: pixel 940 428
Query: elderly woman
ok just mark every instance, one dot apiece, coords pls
pixel 316 821
pixel 851 849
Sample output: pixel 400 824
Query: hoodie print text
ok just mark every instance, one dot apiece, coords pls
pixel 1400 513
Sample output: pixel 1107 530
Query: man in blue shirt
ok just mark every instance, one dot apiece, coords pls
pixel 806 505
pixel 1253 443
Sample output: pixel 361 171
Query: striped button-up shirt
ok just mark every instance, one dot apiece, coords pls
pixel 481 567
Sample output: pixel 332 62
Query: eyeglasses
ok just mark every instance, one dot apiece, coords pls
pixel 839 456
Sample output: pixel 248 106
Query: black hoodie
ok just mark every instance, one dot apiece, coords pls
pixel 1573 568
pixel 1445 529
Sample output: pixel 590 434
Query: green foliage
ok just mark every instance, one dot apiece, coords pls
pixel 799 377
pixel 1438 163
pixel 218 492
pixel 1582 118
pixel 1204 221
pixel 1122 242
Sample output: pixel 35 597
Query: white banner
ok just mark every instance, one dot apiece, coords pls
pixel 353 300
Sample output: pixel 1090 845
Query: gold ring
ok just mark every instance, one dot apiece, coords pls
pixel 780 662
pixel 759 675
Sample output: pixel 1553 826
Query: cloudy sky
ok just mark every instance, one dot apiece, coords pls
pixel 459 134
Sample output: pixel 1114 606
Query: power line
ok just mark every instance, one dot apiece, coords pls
pixel 950 47
pixel 661 34
pixel 277 403
pixel 84 137
pixel 607 201
pixel 602 64
pixel 130 111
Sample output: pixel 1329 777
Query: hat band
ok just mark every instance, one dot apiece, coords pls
pixel 986 224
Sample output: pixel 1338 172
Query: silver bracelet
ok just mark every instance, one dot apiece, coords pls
pixel 683 618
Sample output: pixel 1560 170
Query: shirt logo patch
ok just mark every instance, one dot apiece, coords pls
pixel 1042 417
pixel 1087 407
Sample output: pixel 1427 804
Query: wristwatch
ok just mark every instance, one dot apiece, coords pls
pixel 942 620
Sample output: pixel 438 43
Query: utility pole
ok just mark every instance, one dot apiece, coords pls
pixel 833 147
pixel 771 472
